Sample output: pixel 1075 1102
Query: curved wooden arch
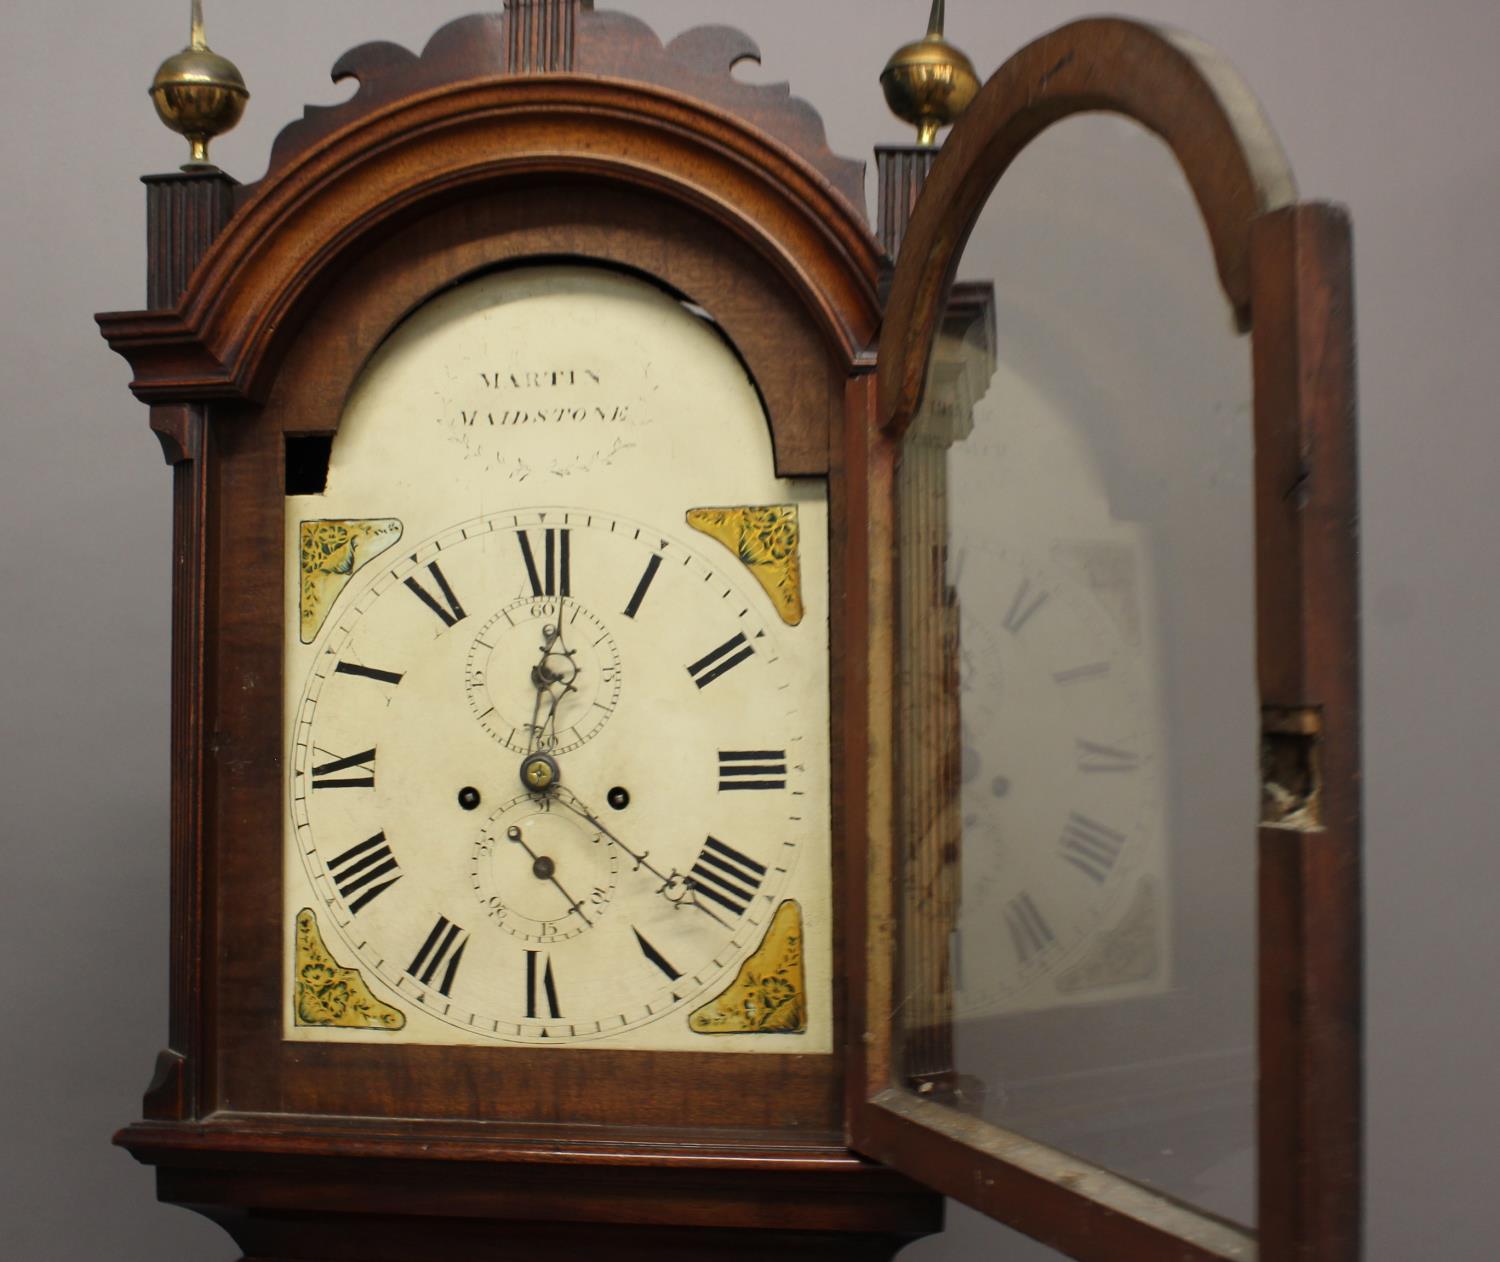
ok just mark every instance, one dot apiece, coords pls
pixel 1170 83
pixel 768 327
pixel 348 192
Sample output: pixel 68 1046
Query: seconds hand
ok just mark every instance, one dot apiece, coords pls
pixel 559 645
pixel 544 869
pixel 543 678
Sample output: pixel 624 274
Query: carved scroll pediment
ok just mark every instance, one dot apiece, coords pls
pixel 567 36
pixel 700 63
pixel 467 48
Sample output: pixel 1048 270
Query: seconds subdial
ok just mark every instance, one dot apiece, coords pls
pixel 542 875
pixel 543 674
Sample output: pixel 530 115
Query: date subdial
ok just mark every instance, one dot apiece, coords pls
pixel 543 674
pixel 542 875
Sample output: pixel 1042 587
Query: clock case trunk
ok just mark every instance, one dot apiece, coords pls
pixel 543 133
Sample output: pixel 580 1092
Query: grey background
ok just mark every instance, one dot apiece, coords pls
pixel 1386 105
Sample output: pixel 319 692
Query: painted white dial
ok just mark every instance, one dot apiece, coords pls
pixel 649 678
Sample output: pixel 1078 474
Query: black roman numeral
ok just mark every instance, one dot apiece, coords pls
pixel 655 956
pixel 724 658
pixel 725 875
pixel 1090 847
pixel 368 672
pixel 447 608
pixel 363 870
pixel 552 579
pixel 752 769
pixel 548 987
pixel 1030 933
pixel 1022 606
pixel 1093 756
pixel 444 945
pixel 641 588
pixel 326 775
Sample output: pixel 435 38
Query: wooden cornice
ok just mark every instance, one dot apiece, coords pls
pixel 534 37
pixel 343 193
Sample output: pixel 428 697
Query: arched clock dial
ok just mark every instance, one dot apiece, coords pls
pixel 1060 782
pixel 642 683
pixel 555 761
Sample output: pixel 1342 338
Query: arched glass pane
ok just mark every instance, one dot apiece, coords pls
pixel 1079 742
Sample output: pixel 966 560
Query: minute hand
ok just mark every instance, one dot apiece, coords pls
pixel 670 883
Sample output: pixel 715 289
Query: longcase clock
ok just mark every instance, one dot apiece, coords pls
pixel 571 686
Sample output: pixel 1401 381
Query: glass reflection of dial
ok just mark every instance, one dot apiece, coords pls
pixel 543 673
pixel 541 874
pixel 402 803
pixel 1060 794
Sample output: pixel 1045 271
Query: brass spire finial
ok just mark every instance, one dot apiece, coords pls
pixel 198 93
pixel 929 83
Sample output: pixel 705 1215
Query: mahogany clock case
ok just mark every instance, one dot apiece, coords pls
pixel 414 186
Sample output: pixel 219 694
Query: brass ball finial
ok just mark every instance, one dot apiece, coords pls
pixel 199 94
pixel 929 83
